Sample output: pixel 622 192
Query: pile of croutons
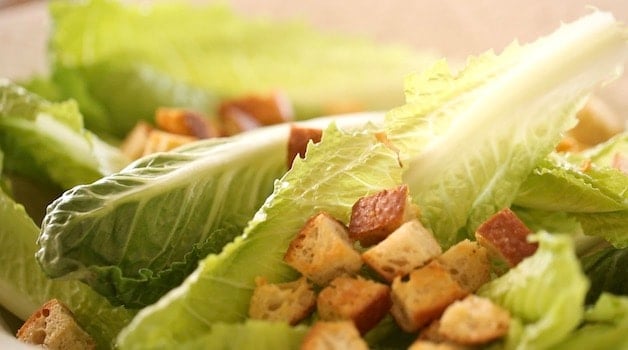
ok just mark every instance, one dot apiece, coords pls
pixel 174 127
pixel 427 291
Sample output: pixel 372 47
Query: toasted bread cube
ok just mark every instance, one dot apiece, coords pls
pixel 289 302
pixel 298 141
pixel 424 295
pixel 161 141
pixel 597 122
pixel 360 300
pixel 430 332
pixel 54 327
pixel 333 335
pixel 237 122
pixel 421 344
pixel 620 162
pixel 321 251
pixel 569 145
pixel 374 217
pixel 506 236
pixel 135 142
pixel 343 106
pixel 407 248
pixel 185 122
pixel 266 110
pixel 469 264
pixel 474 321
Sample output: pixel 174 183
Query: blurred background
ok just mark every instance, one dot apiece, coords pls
pixel 453 28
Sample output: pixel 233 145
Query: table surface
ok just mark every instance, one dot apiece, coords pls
pixel 455 28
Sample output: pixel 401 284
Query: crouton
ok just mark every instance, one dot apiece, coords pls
pixel 321 251
pixel 423 295
pixel 620 162
pixel 421 344
pixel 407 248
pixel 135 142
pixel 468 263
pixel 569 145
pixel 374 217
pixel 298 141
pixel 266 110
pixel 474 321
pixel 161 141
pixel 430 332
pixel 342 106
pixel 597 122
pixel 289 302
pixel 333 336
pixel 54 327
pixel 236 122
pixel 185 122
pixel 360 300
pixel 506 236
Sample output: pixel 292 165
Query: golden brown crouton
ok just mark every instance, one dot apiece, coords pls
pixel 421 344
pixel 266 110
pixel 468 263
pixel 506 236
pixel 339 335
pixel 569 144
pixel 407 248
pixel 238 122
pixel 298 141
pixel 54 327
pixel 363 301
pixel 596 123
pixel 161 141
pixel 185 122
pixel 135 142
pixel 374 217
pixel 423 295
pixel 474 321
pixel 342 106
pixel 290 302
pixel 620 162
pixel 321 251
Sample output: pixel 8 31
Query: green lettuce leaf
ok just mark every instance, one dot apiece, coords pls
pixel 545 293
pixel 46 141
pixel 138 233
pixel 604 154
pixel 595 196
pixel 335 173
pixel 606 270
pixel 252 334
pixel 605 327
pixel 125 61
pixel 24 287
pixel 559 185
pixel 470 138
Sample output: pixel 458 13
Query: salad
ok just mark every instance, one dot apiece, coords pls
pixel 164 251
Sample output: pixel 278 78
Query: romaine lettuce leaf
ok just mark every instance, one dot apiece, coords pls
pixel 606 270
pixel 128 60
pixel 582 187
pixel 605 327
pixel 604 154
pixel 469 139
pixel 335 173
pixel 24 287
pixel 252 334
pixel 612 226
pixel 46 141
pixel 545 293
pixel 138 233
pixel 559 185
